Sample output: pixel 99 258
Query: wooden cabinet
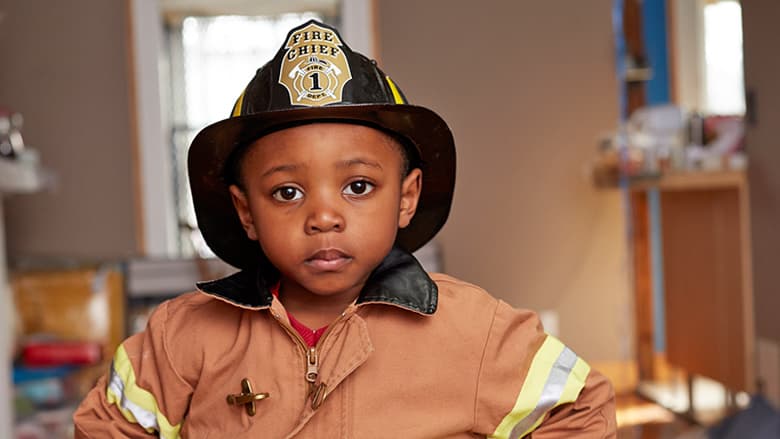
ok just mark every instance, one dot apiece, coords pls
pixel 707 280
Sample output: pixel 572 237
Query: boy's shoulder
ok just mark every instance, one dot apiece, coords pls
pixel 452 288
pixel 189 302
pixel 456 284
pixel 191 313
pixel 461 299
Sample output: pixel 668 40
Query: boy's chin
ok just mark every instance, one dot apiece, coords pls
pixel 332 288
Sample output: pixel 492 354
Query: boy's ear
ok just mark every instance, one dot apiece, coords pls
pixel 242 208
pixel 410 195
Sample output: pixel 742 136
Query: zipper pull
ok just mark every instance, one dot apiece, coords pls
pixel 312 366
pixel 317 391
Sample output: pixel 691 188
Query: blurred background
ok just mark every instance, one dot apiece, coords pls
pixel 615 173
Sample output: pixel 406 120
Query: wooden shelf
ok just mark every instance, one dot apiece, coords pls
pixel 693 180
pixel 164 278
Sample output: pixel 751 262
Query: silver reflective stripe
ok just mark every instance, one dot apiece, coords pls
pixel 551 393
pixel 145 418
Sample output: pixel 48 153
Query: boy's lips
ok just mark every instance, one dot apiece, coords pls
pixel 329 259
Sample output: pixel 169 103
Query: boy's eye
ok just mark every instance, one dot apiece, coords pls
pixel 287 193
pixel 360 187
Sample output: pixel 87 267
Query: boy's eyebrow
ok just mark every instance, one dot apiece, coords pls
pixel 358 161
pixel 280 168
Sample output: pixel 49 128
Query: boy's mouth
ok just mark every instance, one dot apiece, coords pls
pixel 329 259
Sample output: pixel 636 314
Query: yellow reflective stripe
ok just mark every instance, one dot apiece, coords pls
pixel 136 404
pixel 556 377
pixel 239 104
pixel 574 385
pixel 532 387
pixel 396 94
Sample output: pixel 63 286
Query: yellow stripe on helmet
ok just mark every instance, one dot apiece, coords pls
pixel 397 97
pixel 136 404
pixel 556 377
pixel 238 105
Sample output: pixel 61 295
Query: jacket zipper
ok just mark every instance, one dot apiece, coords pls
pixel 312 366
pixel 317 390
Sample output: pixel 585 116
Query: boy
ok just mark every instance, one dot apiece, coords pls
pixel 318 187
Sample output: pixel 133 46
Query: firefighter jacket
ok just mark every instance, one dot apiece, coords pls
pixel 415 356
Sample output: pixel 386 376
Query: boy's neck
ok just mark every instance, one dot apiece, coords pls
pixel 315 310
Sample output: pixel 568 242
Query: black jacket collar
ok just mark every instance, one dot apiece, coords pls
pixel 399 280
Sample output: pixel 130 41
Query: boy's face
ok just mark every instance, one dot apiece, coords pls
pixel 325 201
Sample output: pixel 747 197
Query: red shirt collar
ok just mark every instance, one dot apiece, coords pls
pixel 310 336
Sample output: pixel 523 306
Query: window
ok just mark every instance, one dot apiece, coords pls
pixel 707 47
pixel 723 69
pixel 212 60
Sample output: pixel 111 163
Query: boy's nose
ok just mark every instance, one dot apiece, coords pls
pixel 324 219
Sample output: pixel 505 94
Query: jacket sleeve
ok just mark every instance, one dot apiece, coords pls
pixel 531 385
pixel 142 394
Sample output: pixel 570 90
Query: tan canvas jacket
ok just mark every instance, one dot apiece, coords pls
pixel 414 357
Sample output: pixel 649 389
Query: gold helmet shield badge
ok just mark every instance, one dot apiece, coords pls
pixel 314 68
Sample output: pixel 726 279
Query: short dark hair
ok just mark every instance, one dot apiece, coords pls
pixel 232 172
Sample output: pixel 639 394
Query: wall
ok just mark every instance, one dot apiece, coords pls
pixel 65 68
pixel 762 68
pixel 528 89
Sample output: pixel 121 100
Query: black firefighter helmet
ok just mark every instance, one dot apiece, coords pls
pixel 316 77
